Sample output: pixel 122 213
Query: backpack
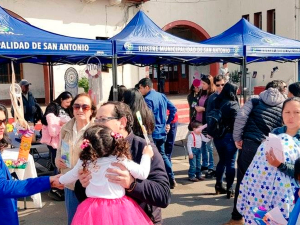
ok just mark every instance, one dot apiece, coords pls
pixel 215 127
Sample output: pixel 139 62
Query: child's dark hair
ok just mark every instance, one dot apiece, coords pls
pixel 101 143
pixel 195 124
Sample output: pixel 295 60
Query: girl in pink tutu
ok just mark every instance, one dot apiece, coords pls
pixel 106 202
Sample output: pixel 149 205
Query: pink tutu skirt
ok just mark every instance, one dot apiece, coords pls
pixel 100 211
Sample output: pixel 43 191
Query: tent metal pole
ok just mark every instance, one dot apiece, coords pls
pixel 114 72
pixel 244 79
pixel 51 79
pixel 158 78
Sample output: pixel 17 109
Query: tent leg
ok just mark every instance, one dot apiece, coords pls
pixel 51 81
pixel 158 78
pixel 115 77
pixel 244 80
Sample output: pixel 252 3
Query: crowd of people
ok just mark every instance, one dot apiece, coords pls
pixel 240 132
pixel 116 167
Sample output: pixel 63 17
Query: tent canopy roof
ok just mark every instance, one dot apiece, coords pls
pixel 26 43
pixel 142 37
pixel 259 45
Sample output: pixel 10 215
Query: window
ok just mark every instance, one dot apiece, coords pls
pixel 246 17
pixel 258 20
pixel 5 73
pixel 271 21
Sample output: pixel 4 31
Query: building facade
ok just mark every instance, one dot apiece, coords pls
pixel 194 20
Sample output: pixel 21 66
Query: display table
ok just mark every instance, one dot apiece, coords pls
pixel 28 172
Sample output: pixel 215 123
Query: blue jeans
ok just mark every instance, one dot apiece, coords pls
pixel 227 155
pixel 169 145
pixel 160 144
pixel 71 203
pixel 195 163
pixel 207 155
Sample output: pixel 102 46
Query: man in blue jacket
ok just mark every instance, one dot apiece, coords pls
pixel 32 110
pixel 159 104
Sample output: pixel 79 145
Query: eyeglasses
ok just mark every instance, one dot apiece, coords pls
pixel 218 85
pixel 105 119
pixel 84 107
pixel 3 122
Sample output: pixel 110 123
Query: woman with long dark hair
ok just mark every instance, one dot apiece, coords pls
pixel 227 102
pixel 121 90
pixel 193 98
pixel 134 99
pixel 57 114
pixel 207 88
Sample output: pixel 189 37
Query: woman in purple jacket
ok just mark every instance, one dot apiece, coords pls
pixel 10 189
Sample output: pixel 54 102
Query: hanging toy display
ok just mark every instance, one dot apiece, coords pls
pixel 20 125
pixel 95 79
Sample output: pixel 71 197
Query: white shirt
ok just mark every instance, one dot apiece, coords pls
pixel 77 135
pixel 223 71
pixel 26 95
pixel 99 186
pixel 198 141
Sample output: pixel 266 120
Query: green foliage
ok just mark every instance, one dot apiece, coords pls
pixel 84 83
pixel 235 76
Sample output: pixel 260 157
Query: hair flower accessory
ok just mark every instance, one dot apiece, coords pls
pixel 116 135
pixel 85 143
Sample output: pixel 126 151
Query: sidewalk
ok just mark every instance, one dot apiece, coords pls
pixel 192 203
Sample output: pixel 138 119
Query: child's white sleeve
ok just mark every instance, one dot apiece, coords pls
pixel 139 171
pixel 205 139
pixel 72 175
pixel 189 144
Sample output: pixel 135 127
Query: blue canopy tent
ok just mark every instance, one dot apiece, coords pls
pixel 142 42
pixel 258 45
pixel 22 42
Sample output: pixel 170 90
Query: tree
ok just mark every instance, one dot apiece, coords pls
pixel 235 76
pixel 84 83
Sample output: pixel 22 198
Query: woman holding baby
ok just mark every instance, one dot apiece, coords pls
pixel 266 182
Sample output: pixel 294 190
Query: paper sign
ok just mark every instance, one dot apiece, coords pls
pixel 276 216
pixel 65 153
pixel 274 142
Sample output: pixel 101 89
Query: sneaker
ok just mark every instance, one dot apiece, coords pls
pixel 210 173
pixel 57 195
pixel 235 222
pixel 200 178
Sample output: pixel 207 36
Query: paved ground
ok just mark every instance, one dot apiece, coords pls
pixel 192 203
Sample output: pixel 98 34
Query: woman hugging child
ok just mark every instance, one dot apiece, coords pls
pixel 106 202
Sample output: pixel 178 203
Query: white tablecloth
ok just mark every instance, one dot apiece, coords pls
pixel 28 172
